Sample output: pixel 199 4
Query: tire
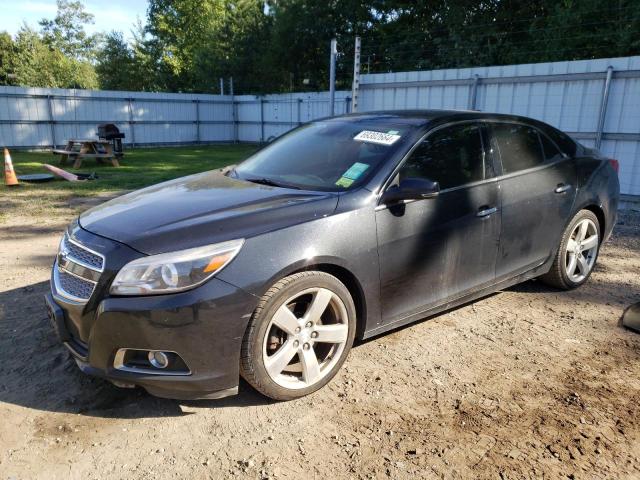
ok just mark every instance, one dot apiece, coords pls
pixel 565 273
pixel 290 327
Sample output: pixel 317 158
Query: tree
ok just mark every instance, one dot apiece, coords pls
pixel 7 59
pixel 150 72
pixel 37 65
pixel 274 45
pixel 463 33
pixel 66 31
pixel 302 32
pixel 180 28
pixel 58 56
pixel 238 46
pixel 116 64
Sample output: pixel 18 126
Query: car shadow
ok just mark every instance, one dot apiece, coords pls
pixel 37 371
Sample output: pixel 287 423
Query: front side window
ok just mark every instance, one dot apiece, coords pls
pixel 451 156
pixel 519 146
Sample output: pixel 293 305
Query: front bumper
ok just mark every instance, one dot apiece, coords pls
pixel 204 326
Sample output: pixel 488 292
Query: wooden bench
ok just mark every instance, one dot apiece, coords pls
pixel 77 150
pixel 95 155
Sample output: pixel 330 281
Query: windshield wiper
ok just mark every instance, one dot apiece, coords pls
pixel 271 183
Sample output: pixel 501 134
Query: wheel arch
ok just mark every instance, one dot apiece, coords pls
pixel 599 213
pixel 353 285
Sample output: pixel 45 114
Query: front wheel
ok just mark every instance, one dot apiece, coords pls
pixel 299 335
pixel 577 254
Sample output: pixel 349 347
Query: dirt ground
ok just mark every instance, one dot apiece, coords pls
pixel 527 383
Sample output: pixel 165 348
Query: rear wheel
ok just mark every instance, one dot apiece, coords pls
pixel 299 335
pixel 577 254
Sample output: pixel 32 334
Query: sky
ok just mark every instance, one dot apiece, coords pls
pixel 109 14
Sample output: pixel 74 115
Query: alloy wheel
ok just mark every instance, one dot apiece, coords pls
pixel 582 250
pixel 305 338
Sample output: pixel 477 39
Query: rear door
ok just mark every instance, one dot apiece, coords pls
pixel 436 249
pixel 537 191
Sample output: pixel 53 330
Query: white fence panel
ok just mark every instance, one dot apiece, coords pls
pixel 567 95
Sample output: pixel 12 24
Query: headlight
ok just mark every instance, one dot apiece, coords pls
pixel 175 271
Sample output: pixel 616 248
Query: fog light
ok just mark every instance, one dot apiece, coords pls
pixel 158 359
pixel 150 362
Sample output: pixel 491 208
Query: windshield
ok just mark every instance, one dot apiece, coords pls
pixel 332 155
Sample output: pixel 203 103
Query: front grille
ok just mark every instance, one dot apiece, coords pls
pixel 74 286
pixel 80 254
pixel 77 270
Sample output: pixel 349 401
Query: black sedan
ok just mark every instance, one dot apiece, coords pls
pixel 343 228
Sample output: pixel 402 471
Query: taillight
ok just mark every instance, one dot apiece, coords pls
pixel 615 164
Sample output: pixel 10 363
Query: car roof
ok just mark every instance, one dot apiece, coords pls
pixel 426 117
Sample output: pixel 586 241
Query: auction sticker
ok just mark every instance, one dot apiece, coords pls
pixel 379 138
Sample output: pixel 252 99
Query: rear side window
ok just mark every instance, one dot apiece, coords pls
pixel 566 144
pixel 551 152
pixel 519 145
pixel 452 156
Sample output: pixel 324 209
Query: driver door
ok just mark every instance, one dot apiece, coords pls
pixel 435 250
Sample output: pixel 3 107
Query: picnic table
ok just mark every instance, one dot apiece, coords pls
pixel 78 150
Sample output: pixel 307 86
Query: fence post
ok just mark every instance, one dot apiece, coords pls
pixel 474 92
pixel 355 89
pixel 52 122
pixel 197 102
pixel 603 106
pixel 262 120
pixel 221 86
pixel 234 117
pixel 131 122
pixel 299 112
pixel 332 77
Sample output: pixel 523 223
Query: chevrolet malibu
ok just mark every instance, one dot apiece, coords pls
pixel 342 229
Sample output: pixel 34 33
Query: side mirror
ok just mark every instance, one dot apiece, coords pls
pixel 411 189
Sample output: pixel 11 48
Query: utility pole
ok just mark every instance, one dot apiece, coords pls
pixel 332 77
pixel 356 76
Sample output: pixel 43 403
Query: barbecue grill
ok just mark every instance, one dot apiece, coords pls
pixel 108 131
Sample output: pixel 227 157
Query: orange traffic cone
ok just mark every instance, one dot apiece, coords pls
pixel 9 174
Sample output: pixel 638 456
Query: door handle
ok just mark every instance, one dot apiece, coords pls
pixel 562 187
pixel 486 211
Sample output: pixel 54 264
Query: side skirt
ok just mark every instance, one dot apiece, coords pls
pixel 470 297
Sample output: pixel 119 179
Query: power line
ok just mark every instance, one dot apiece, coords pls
pixel 556 50
pixel 509 22
pixel 407 64
pixel 507 34
pixel 416 47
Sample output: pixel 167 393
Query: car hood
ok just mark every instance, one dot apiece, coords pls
pixel 202 209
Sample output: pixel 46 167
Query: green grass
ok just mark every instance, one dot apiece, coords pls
pixel 139 168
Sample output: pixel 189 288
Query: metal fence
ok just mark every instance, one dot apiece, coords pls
pixel 261 118
pixel 43 118
pixel 595 101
